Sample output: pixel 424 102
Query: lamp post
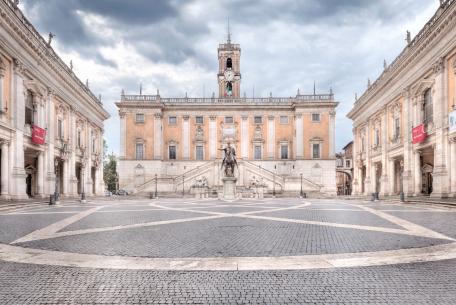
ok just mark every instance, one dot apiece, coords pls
pixel 273 182
pixel 156 193
pixel 83 165
pixel 183 183
pixel 302 193
pixel 402 181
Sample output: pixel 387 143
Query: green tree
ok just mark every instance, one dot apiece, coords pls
pixel 109 169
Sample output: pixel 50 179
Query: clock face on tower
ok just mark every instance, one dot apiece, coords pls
pixel 229 75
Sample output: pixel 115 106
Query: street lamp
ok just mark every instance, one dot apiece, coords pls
pixel 273 182
pixel 183 183
pixel 402 181
pixel 302 193
pixel 156 193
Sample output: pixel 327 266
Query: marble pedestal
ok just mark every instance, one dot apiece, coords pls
pixel 229 188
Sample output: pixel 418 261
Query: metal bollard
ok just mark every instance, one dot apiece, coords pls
pixel 51 199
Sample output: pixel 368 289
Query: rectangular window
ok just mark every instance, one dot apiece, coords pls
pixel 347 163
pixel 377 137
pixel 199 120
pixel 283 119
pixel 316 151
pixel 94 140
pixel 140 118
pixel 172 120
pixel 284 151
pixel 139 151
pixel 258 119
pixel 257 152
pixel 29 108
pixel 172 152
pixel 79 138
pixel 199 152
pixel 229 120
pixel 315 117
pixel 60 129
pixel 397 128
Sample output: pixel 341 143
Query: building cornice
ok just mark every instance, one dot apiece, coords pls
pixel 17 25
pixel 429 35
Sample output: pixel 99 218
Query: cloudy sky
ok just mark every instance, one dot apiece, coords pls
pixel 172 45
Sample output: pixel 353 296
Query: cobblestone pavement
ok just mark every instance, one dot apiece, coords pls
pixel 273 251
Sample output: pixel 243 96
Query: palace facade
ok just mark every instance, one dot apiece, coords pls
pixel 169 143
pixel 405 123
pixel 51 125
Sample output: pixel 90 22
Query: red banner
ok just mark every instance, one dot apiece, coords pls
pixel 38 135
pixel 418 134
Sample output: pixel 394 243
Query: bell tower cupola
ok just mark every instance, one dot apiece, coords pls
pixel 229 74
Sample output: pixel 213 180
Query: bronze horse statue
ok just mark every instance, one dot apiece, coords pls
pixel 229 161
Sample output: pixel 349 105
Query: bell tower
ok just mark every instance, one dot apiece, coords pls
pixel 229 74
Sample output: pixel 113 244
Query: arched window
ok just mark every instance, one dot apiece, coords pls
pixel 229 63
pixel 428 113
pixel 229 89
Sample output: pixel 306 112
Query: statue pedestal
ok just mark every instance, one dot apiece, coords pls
pixel 229 188
pixel 200 192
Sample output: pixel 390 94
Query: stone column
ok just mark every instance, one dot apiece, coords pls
pixel 406 130
pixel 453 166
pixel 185 137
pixel 355 179
pixel 123 135
pixel 332 127
pixel 65 178
pixel 417 174
pixel 5 170
pixel 245 137
pixel 392 176
pixel 213 137
pixel 386 174
pixel 50 158
pixel 158 136
pixel 73 182
pixel 299 137
pixel 368 186
pixel 440 173
pixel 17 185
pixel 271 137
pixel 40 175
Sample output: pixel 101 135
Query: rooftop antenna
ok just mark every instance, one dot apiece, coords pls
pixel 140 88
pixel 229 32
pixel 314 88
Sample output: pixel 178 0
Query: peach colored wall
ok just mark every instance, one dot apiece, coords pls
pixel 314 130
pixel 283 132
pixel 143 131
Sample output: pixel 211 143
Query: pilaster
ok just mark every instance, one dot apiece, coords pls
pixel 213 137
pixel 158 136
pixel 271 137
pixel 440 172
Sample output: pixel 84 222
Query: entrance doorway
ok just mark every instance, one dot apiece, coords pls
pixel 378 175
pixel 93 174
pixel 363 179
pixel 79 177
pixel 427 168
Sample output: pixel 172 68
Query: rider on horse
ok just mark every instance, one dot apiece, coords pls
pixel 229 160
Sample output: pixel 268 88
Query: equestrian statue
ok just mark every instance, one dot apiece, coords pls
pixel 229 160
